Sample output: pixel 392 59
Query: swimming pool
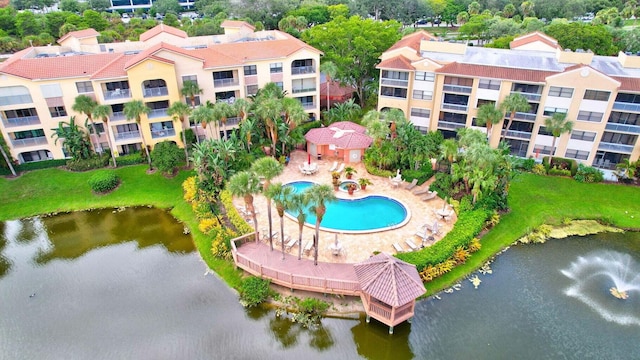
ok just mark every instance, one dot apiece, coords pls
pixel 369 214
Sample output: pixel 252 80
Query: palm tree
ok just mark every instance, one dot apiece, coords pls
pixel 179 111
pixel 241 107
pixel 376 127
pixel 512 104
pixel 103 112
pixel 330 71
pixel 245 184
pixel 489 115
pixel 203 115
pixel 267 168
pixel 318 196
pixel 247 127
pixel 280 195
pixel 483 181
pixel 221 111
pixel 294 115
pixel 85 104
pixel 298 203
pixel 133 110
pixel 557 125
pixel 190 89
pixel 449 152
pixel 269 110
pixel 6 158
pixel 76 142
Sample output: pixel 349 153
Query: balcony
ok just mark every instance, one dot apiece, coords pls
pixel 225 82
pixel 117 94
pixel 303 70
pixel 394 82
pixel 156 113
pixel 162 133
pixel 118 116
pixel 524 116
pixel 446 125
pixel 455 107
pixel 20 143
pixel 233 121
pixel 302 90
pixel 127 135
pixel 457 88
pixel 626 106
pixel 518 134
pixel 307 106
pixel 529 96
pixel 157 91
pixel 619 148
pixel 22 121
pixel 634 129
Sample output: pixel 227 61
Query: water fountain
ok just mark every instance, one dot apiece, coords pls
pixel 602 279
pixel 344 183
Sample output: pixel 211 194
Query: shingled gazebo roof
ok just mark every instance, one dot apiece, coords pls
pixel 389 279
pixel 343 134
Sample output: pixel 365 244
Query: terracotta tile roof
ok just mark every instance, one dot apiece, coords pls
pixel 397 62
pixel 628 84
pixel 352 138
pixel 160 29
pixel 495 72
pixel 236 24
pixel 58 67
pixel 114 69
pixel 412 40
pixel 389 279
pixel 533 37
pixel 152 51
pixel 335 90
pixel 80 34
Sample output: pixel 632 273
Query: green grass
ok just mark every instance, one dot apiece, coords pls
pixel 535 200
pixel 55 190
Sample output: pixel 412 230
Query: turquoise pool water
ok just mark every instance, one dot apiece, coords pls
pixel 368 214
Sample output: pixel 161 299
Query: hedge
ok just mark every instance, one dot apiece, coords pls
pixel 103 181
pixel 423 174
pixel 232 213
pixel 564 164
pixel 131 159
pixel 469 224
pixel 34 165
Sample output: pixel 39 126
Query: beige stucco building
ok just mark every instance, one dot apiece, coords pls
pixel 440 85
pixel 38 85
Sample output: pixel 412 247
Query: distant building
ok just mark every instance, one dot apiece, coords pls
pixel 133 5
pixel 440 85
pixel 38 85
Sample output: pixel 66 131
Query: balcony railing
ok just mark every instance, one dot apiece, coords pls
pixel 158 91
pixel 635 129
pixel 233 121
pixel 296 91
pixel 163 133
pixel 303 70
pixel 225 82
pixel 457 88
pixel 395 82
pixel 22 121
pixel 117 94
pixel 619 148
pixel 118 116
pixel 126 135
pixel 626 106
pixel 518 134
pixel 156 113
pixel 308 105
pixel 529 96
pixel 524 116
pixel 41 140
pixel 449 125
pixel 455 107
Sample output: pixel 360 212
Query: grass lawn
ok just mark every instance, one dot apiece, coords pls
pixel 55 190
pixel 535 200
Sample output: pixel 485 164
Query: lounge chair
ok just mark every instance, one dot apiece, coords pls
pixel 291 243
pixel 411 185
pixel 411 244
pixel 398 248
pixel 339 170
pixel 333 167
pixel 421 191
pixel 422 232
pixel 429 196
pixel 265 235
pixel 307 247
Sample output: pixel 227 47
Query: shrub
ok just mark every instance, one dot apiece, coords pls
pixel 130 159
pixel 524 164
pixel 474 245
pixel 442 184
pixel 221 243
pixel 423 174
pixel 559 172
pixel 103 181
pixel 310 310
pixel 253 291
pixel 208 224
pixel 560 163
pixel 588 174
pixel 232 214
pixel 539 169
pixel 373 170
pixel 166 156
pixel 91 163
pixel 190 189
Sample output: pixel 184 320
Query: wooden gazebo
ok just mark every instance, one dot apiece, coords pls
pixel 389 288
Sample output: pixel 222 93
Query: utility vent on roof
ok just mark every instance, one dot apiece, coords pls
pixel 132 52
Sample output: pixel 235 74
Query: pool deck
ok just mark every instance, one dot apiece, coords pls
pixel 355 247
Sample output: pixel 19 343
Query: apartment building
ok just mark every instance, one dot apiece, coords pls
pixel 38 85
pixel 440 85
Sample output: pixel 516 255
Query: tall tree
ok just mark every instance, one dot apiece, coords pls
pixel 204 115
pixel 267 168
pixel 318 196
pixel 280 195
pixel 449 151
pixel 103 112
pixel 85 105
pixel 222 111
pixel 354 46
pixel 76 142
pixel 512 104
pixel 298 203
pixel 330 70
pixel 377 128
pixel 133 110
pixel 488 115
pixel 557 125
pixel 269 110
pixel 191 89
pixel 179 111
pixel 246 184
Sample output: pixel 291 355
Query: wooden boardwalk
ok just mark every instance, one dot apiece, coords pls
pixel 259 260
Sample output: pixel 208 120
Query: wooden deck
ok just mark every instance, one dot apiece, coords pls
pixel 326 278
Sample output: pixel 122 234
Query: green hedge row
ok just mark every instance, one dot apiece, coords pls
pixel 36 165
pixel 131 159
pixel 469 224
pixel 232 213
pixel 423 174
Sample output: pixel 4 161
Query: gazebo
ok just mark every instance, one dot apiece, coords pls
pixel 389 288
pixel 343 140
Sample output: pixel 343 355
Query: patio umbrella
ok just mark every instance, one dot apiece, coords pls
pixel 309 158
pixel 435 227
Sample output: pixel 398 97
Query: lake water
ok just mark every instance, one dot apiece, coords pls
pixel 129 285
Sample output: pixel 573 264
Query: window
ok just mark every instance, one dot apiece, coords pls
pixel 624 118
pixel 20 113
pixel 583 135
pixel 84 87
pixel 577 154
pixel 13 95
pixel 423 113
pixel 628 98
pixel 590 116
pixel 526 88
pixel 485 102
pixel 618 138
pixel 597 95
pixel 393 92
pixel 51 91
pixel 549 111
pixel 422 95
pixel 280 84
pixel 560 92
pixel 542 149
pixel 57 111
pixel 450 80
pixel 250 70
pixel 397 75
pixel 252 89
pixel 489 84
pixel 192 78
pixel 543 131
pixel 99 128
pixel 275 68
pixel 425 76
